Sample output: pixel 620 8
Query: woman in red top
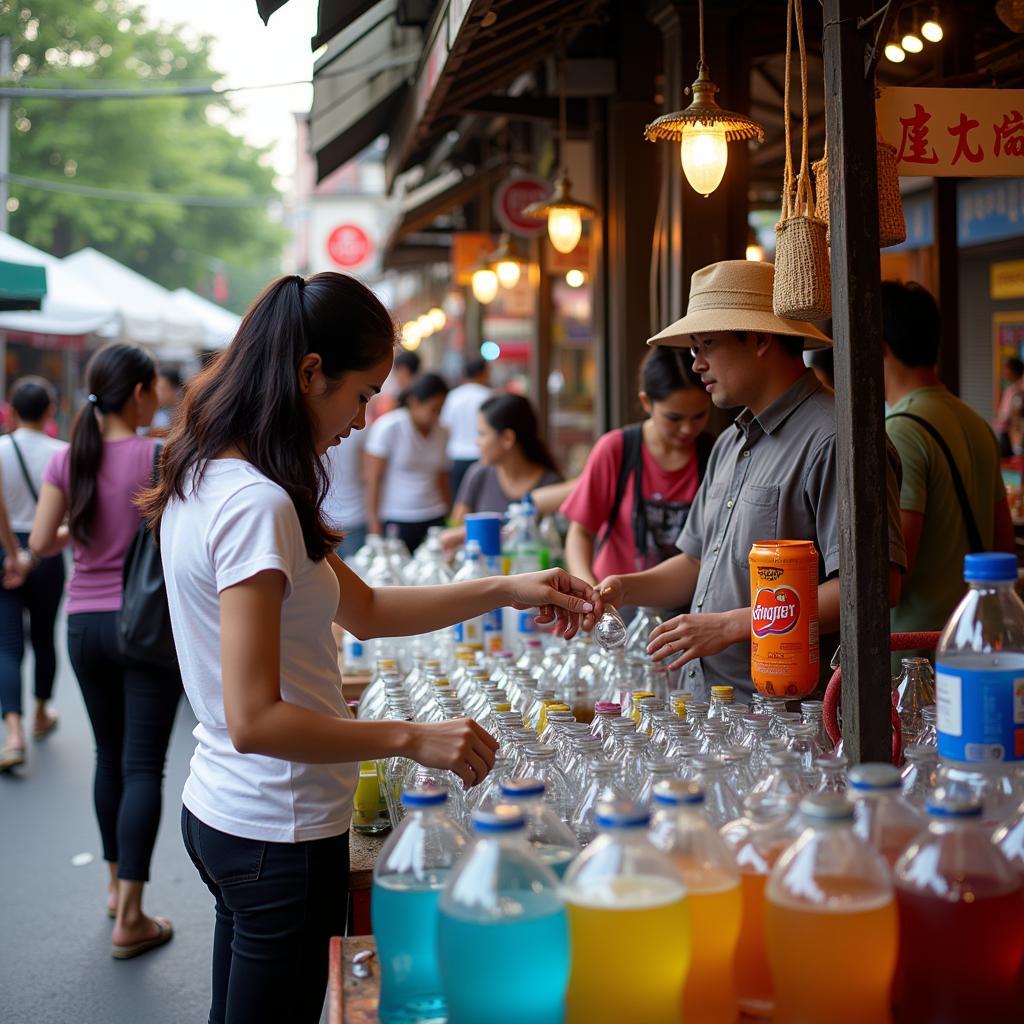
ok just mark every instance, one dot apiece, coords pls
pixel 612 530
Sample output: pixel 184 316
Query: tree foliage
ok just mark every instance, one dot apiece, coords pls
pixel 167 145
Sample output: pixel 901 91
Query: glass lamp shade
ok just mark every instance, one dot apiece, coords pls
pixel 704 154
pixel 485 285
pixel 932 31
pixel 508 272
pixel 565 228
pixel 894 52
pixel 911 43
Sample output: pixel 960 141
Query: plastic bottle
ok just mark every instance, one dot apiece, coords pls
pixel 881 816
pixel 961 914
pixel 526 553
pixel 916 690
pixel 502 933
pixel 712 879
pixel 629 923
pixel 552 840
pixel 472 631
pixel 830 903
pixel 1009 837
pixel 408 878
pixel 978 663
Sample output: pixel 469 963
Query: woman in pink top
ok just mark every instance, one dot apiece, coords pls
pixel 131 706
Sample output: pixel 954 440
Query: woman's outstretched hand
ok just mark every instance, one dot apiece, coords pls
pixel 562 600
pixel 461 746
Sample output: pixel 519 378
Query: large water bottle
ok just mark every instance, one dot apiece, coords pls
pixel 503 937
pixel 526 553
pixel 411 871
pixel 979 681
pixel 471 632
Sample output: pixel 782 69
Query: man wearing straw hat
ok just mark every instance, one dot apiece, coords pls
pixel 772 476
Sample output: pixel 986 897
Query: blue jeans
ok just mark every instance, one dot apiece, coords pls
pixel 354 539
pixel 277 906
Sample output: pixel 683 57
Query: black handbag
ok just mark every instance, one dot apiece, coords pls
pixel 144 625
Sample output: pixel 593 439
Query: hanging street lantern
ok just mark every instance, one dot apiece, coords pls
pixel 484 284
pixel 506 262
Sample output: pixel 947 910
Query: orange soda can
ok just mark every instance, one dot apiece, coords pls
pixel 784 617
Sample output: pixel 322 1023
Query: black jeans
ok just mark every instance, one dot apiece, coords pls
pixel 277 906
pixel 131 709
pixel 40 596
pixel 414 534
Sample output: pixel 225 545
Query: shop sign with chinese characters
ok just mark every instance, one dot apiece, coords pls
pixel 959 133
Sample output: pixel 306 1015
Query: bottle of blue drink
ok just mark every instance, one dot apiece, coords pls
pixel 503 936
pixel 410 874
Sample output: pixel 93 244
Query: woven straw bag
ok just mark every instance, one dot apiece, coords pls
pixel 803 279
pixel 892 228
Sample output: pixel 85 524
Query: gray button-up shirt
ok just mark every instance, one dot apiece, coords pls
pixel 772 477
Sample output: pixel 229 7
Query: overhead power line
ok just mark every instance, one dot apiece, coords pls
pixel 123 196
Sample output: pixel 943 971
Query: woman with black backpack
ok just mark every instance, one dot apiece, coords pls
pixel 131 704
pixel 631 501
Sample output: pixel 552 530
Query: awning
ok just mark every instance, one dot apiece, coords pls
pixel 22 285
pixel 358 84
pixel 219 324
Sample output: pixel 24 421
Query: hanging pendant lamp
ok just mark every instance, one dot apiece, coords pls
pixel 704 129
pixel 506 261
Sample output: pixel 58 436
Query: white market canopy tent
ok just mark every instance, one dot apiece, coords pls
pixel 70 307
pixel 219 324
pixel 149 313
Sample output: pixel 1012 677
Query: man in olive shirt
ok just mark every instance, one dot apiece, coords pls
pixel 935 524
pixel 772 476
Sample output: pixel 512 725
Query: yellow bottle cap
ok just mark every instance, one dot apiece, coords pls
pixel 642 694
pixel 386 663
pixel 556 706
pixel 502 707
pixel 725 692
pixel 440 683
pixel 680 708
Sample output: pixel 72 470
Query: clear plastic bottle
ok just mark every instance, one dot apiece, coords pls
pixel 721 696
pixel 832 773
pixel 473 632
pixel 502 934
pixel 682 830
pixel 920 766
pixel 830 898
pixel 410 873
pixel 628 915
pixel 638 636
pixel 721 803
pixel 916 690
pixel 1009 837
pixel 881 816
pixel 552 840
pixel 375 690
pixel 539 762
pixel 603 786
pixel 961 934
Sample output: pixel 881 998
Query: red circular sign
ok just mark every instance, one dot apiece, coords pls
pixel 512 196
pixel 349 246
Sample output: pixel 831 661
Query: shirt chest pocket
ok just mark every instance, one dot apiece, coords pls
pixel 755 518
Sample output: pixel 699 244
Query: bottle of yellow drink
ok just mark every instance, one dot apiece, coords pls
pixel 628 918
pixel 712 880
pixel 768 826
pixel 830 922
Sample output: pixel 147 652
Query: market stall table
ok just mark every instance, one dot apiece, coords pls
pixel 352 999
pixel 363 851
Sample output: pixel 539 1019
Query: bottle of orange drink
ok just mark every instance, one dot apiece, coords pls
pixel 681 829
pixel 830 922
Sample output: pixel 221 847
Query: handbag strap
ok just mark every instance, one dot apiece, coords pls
pixel 973 534
pixel 24 470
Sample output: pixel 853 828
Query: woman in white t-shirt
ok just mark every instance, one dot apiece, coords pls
pixel 254 587
pixel 407 479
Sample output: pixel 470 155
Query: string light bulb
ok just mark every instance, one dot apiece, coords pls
pixel 911 42
pixel 506 262
pixel 575 278
pixel 411 336
pixel 425 325
pixel 894 53
pixel 931 29
pixel 437 318
pixel 485 285
pixel 704 155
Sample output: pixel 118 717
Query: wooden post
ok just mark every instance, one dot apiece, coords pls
pixel 857 330
pixel 540 354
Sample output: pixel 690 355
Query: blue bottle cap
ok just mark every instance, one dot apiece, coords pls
pixel 874 776
pixel 522 787
pixel 621 814
pixel 944 805
pixel 677 792
pixel 998 566
pixel 501 818
pixel 424 796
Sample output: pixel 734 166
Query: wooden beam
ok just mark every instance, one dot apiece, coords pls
pixel 857 330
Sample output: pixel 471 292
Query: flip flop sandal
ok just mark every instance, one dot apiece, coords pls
pixel 11 757
pixel 51 724
pixel 162 937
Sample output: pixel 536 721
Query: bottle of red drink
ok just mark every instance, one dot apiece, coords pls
pixel 961 913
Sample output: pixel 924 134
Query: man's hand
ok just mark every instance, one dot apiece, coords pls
pixel 16 569
pixel 562 599
pixel 687 637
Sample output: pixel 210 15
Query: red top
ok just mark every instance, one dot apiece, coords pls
pixel 667 496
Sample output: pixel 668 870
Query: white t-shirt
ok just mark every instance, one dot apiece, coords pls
pixel 411 489
pixel 344 508
pixel 36 449
pixel 236 524
pixel 459 416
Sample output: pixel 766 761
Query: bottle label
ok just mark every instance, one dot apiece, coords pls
pixel 470 632
pixel 525 625
pixel 980 714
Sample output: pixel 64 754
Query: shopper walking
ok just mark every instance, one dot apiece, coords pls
pixel 406 464
pixel 459 416
pixel 130 705
pixel 631 501
pixel 344 508
pixel 24 454
pixel 254 586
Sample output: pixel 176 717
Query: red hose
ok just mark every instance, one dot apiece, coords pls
pixel 897 642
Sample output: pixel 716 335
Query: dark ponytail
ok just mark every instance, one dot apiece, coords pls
pixel 665 370
pixel 111 377
pixel 515 413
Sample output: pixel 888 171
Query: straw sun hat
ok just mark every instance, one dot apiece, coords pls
pixel 735 295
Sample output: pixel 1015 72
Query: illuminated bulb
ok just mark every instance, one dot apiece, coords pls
pixel 426 325
pixel 437 318
pixel 565 227
pixel 575 278
pixel 755 253
pixel 911 43
pixel 932 30
pixel 704 154
pixel 894 52
pixel 508 273
pixel 411 335
pixel 485 285
pixel 490 350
